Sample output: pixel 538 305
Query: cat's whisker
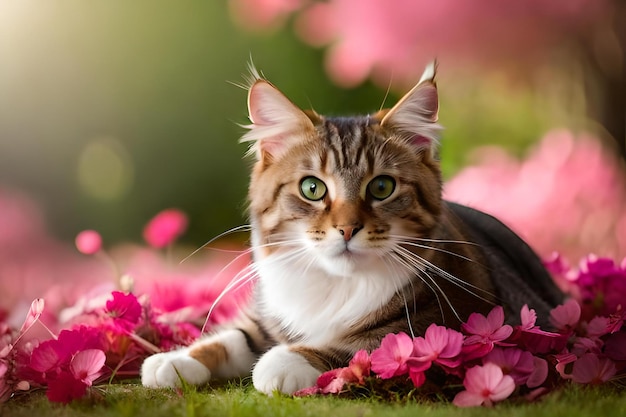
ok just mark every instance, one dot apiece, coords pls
pixel 242 278
pixel 466 286
pixel 417 245
pixel 415 266
pixel 411 241
pixel 423 239
pixel 398 289
pixel 425 266
pixel 241 228
pixel 247 274
pixel 445 297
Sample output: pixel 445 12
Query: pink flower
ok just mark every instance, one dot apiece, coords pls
pixel 124 308
pixel 484 385
pixel 69 364
pixel 360 366
pixel 485 332
pixel 534 339
pixel 88 242
pixel 53 355
pixel 565 317
pixel 390 359
pixel 515 362
pixel 592 369
pixel 165 227
pixel 602 285
pixel 440 345
pixel 334 381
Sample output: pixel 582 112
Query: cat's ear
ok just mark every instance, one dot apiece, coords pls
pixel 277 123
pixel 414 117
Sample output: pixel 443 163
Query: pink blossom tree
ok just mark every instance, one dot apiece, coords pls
pixel 385 40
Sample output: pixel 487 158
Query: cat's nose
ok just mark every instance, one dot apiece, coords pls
pixel 348 231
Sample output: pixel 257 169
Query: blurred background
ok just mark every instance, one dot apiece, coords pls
pixel 111 111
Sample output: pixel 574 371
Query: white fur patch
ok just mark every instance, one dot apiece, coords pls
pixel 240 358
pixel 283 370
pixel 163 369
pixel 319 297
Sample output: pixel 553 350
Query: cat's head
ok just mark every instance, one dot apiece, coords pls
pixel 341 192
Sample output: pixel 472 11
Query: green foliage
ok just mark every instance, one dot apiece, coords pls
pixel 241 400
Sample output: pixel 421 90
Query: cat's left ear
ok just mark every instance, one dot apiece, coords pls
pixel 415 116
pixel 277 123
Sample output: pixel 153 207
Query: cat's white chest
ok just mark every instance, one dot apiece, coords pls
pixel 318 308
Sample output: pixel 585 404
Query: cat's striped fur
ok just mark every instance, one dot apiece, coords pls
pixel 352 241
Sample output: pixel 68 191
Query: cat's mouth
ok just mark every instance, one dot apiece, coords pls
pixel 348 253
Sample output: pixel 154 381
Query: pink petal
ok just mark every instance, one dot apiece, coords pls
pixel 590 369
pixel 454 345
pixel 45 357
pixel 86 365
pixel 36 308
pixel 502 333
pixel 491 375
pixel 566 315
pixel 489 382
pixel 495 318
pixel 474 379
pixel 528 317
pixel 468 399
pixel 503 389
pixel 598 326
pixel 437 337
pixel 476 324
pixel 390 358
pixel 165 227
pixel 327 377
pixel 360 365
pixel 539 374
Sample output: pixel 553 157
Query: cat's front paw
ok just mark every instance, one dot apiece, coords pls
pixel 166 370
pixel 283 370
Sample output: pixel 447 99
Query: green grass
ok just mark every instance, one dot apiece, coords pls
pixel 121 400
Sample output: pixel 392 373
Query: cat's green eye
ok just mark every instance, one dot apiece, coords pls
pixel 312 188
pixel 381 187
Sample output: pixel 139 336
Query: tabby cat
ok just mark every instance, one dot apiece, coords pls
pixel 352 240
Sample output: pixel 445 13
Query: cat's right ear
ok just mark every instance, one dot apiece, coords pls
pixel 277 123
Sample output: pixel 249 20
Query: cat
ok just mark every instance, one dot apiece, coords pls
pixel 351 241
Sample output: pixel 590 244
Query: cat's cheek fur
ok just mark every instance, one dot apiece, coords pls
pixel 281 369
